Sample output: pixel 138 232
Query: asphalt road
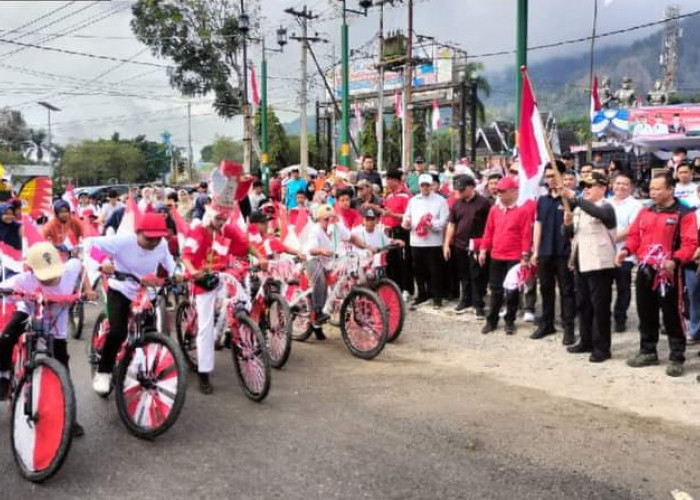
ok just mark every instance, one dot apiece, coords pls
pixel 337 427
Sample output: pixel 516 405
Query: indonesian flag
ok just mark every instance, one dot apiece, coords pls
pixel 132 217
pixel 254 85
pixel 69 196
pixel 301 221
pixel 398 108
pixel 595 98
pixel 30 233
pixel 36 197
pixel 436 115
pixel 10 258
pixel 531 143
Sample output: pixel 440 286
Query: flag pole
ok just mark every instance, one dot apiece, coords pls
pixel 548 146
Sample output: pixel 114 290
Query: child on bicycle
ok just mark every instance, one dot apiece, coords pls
pixel 49 276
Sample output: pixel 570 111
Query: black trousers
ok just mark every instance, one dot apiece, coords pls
pixel 399 262
pixel 11 334
pixel 472 277
pixel 648 303
pixel 118 307
pixel 594 289
pixel 452 275
pixel 554 271
pixel 498 270
pixel 623 284
pixel 428 267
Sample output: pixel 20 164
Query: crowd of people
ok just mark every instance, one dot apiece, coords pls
pixel 457 234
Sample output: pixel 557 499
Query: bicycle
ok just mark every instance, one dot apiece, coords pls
pixel 251 359
pixel 356 309
pixel 387 290
pixel 41 398
pixel 150 373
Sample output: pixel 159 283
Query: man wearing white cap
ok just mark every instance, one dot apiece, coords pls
pixel 426 217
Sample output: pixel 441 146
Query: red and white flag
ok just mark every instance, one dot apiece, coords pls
pixel 69 196
pixel 254 86
pixel 10 258
pixel 595 98
pixel 532 143
pixel 398 108
pixel 436 115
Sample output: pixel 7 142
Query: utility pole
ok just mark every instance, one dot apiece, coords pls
pixel 521 57
pixel 380 100
pixel 462 116
pixel 244 26
pixel 472 120
pixel 303 17
pixel 318 134
pixel 189 141
pixel 408 83
pixel 345 80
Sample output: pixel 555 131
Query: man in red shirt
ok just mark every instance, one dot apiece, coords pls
pixel 346 215
pixel 399 265
pixel 208 249
pixel 673 226
pixel 508 239
pixel 276 188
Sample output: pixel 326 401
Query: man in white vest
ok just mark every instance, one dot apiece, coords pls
pixel 593 224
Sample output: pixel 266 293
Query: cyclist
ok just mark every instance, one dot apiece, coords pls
pixel 137 254
pixel 49 276
pixel 326 239
pixel 209 247
pixel 370 234
pixel 264 242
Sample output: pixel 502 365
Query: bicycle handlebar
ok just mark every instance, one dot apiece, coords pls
pixel 37 297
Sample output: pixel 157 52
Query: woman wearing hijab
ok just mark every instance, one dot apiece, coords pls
pixel 184 204
pixel 9 233
pixel 200 206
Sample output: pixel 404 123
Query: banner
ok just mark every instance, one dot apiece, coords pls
pixel 664 120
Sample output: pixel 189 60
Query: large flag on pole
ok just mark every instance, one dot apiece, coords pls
pixel 436 115
pixel 254 86
pixel 595 99
pixel 532 143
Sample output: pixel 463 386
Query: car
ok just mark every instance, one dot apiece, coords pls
pixel 100 192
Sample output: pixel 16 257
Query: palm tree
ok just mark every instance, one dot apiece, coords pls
pixel 37 144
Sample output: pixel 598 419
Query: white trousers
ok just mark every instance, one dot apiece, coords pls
pixel 205 331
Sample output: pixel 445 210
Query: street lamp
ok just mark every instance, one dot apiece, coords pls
pixel 49 109
pixel 244 27
pixel 472 114
pixel 265 159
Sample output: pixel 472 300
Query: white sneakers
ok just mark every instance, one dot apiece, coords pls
pixel 529 317
pixel 102 383
pixel 406 296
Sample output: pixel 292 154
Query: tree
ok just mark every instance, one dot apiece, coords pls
pixel 392 144
pixel 13 130
pixel 277 141
pixel 37 145
pixel 102 161
pixel 476 69
pixel 368 145
pixel 419 133
pixel 202 39
pixel 206 153
pixel 225 148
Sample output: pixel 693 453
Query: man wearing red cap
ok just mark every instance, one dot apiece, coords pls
pixel 508 239
pixel 208 249
pixel 139 255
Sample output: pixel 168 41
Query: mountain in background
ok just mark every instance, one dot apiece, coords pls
pixel 294 127
pixel 561 84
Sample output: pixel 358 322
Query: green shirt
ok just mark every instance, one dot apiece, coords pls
pixel 412 182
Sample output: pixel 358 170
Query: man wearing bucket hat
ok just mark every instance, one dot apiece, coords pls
pixel 137 254
pixel 426 216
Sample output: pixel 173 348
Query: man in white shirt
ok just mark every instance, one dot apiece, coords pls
pixel 686 189
pixel 110 207
pixel 371 235
pixel 426 217
pixel 324 241
pixel 626 210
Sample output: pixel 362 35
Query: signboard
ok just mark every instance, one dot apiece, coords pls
pixel 664 120
pixel 364 76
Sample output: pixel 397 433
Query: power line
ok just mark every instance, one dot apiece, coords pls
pixel 82 54
pixel 36 20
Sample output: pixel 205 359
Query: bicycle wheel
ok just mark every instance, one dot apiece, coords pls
pixel 279 330
pixel 161 317
pixel 151 386
pixel 186 329
pixel 364 324
pixel 390 295
pixel 251 359
pixel 97 342
pixel 301 319
pixel 76 314
pixel 41 441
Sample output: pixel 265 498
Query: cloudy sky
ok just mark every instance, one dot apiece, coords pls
pixel 98 97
